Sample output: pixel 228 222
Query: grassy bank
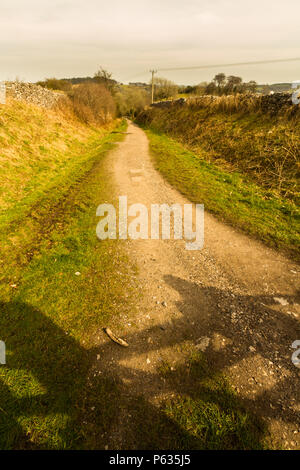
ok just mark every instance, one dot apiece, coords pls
pixel 59 283
pixel 238 136
pixel 233 194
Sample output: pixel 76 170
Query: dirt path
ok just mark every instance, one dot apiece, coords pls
pixel 221 299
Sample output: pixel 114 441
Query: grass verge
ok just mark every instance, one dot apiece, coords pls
pixel 231 196
pixel 238 134
pixel 59 285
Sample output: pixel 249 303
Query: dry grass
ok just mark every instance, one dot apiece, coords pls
pixel 93 103
pixel 35 143
pixel 228 104
pixel 237 136
pixel 229 195
pixel 55 175
pixel 245 104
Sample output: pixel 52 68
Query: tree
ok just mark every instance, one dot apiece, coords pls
pixel 234 84
pixel 93 103
pixel 200 89
pixel 211 88
pixel 164 88
pixel 131 100
pixel 252 86
pixel 103 77
pixel 222 85
pixel 220 79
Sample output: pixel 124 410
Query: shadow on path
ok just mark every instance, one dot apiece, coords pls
pixel 51 397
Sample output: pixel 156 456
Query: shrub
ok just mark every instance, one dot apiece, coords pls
pixel 237 133
pixel 131 100
pixel 56 84
pixel 93 103
pixel 164 89
pixel 65 106
pixel 103 77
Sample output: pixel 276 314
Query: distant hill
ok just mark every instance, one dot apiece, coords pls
pixel 77 80
pixel 276 87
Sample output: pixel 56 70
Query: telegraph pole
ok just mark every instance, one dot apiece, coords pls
pixel 152 84
pixel 2 97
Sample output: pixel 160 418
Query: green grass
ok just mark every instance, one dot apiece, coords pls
pixel 231 196
pixel 49 316
pixel 207 411
pixel 202 414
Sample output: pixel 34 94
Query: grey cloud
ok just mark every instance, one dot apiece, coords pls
pixel 66 38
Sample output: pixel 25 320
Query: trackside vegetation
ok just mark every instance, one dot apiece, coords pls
pixel 59 283
pixel 242 165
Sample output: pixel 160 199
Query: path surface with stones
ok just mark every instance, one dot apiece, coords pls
pixel 235 299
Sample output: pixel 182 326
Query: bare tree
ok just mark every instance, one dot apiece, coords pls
pixel 164 88
pixel 131 100
pixel 103 77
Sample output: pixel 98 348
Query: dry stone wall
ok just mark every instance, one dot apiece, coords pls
pixel 276 102
pixel 32 93
pixel 273 104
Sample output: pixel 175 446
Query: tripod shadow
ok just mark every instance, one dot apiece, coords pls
pixel 257 325
pixel 50 379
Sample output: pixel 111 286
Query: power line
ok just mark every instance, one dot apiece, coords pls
pixel 199 67
pixel 132 77
pixel 230 65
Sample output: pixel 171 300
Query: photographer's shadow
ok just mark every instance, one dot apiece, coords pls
pixel 45 368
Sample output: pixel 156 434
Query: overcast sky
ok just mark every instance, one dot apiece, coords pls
pixel 67 38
